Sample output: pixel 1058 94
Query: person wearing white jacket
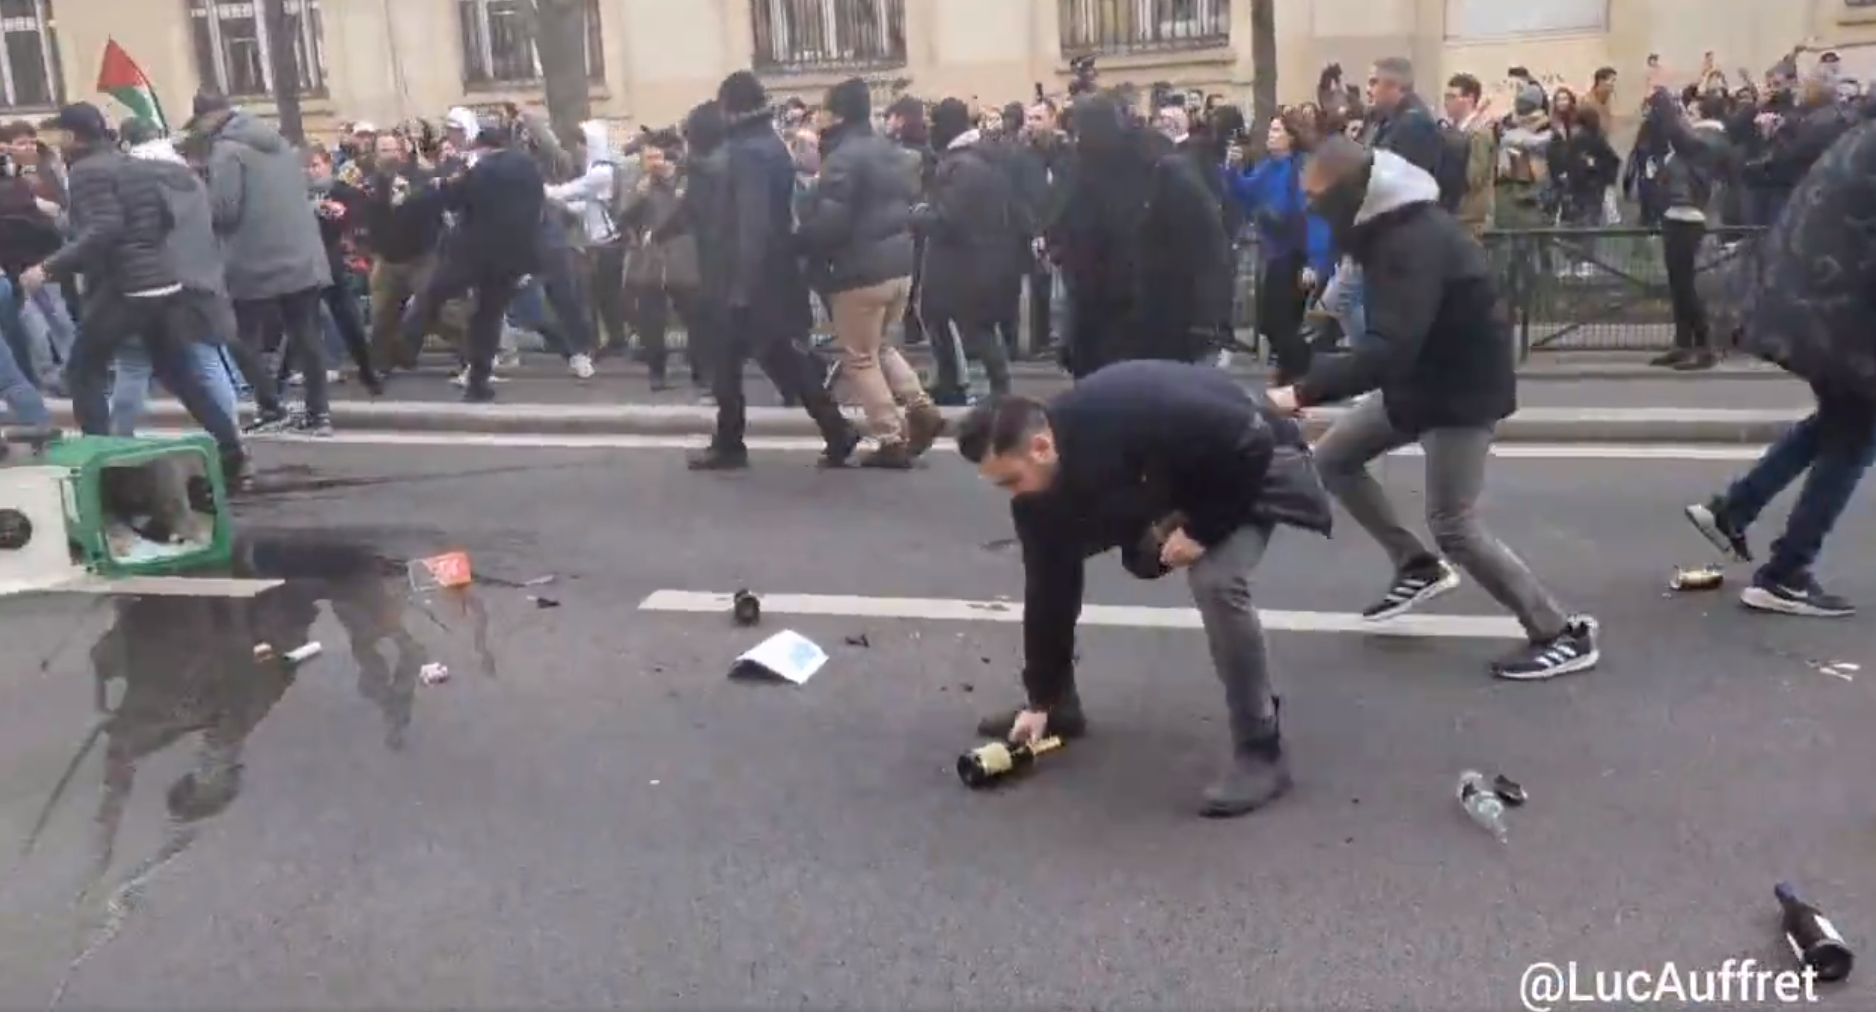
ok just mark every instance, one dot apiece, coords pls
pixel 591 199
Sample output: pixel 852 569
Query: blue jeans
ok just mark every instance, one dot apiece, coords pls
pixel 1342 300
pixel 130 389
pixel 49 330
pixel 23 402
pixel 1832 448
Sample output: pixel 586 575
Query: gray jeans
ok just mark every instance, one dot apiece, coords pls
pixel 1455 461
pixel 1221 590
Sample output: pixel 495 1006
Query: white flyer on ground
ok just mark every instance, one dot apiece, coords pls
pixel 787 655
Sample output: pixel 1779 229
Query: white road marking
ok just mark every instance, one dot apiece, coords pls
pixel 1107 615
pixel 809 444
pixel 168 586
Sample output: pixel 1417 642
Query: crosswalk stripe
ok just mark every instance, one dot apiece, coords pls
pixel 1689 452
pixel 1102 615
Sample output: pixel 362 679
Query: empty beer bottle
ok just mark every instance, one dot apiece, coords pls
pixel 988 764
pixel 1813 939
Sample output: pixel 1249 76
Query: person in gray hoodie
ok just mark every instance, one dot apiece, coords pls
pixel 276 263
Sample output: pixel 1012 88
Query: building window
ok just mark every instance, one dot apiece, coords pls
pixel 498 43
pixel 1473 20
pixel 812 35
pixel 1135 26
pixel 231 46
pixel 26 59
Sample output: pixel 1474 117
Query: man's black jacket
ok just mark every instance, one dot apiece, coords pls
pixel 498 203
pixel 1140 440
pixel 1438 345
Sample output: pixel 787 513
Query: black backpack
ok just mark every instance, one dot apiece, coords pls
pixel 1455 156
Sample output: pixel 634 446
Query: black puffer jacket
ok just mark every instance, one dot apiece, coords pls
pixel 1801 296
pixel 858 218
pixel 973 227
pixel 119 221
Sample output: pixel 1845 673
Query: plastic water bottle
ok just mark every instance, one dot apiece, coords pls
pixel 1483 804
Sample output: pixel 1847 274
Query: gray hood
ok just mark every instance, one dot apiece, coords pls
pixel 251 130
pixel 1395 183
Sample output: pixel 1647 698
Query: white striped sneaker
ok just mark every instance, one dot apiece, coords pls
pixel 1576 648
pixel 1411 589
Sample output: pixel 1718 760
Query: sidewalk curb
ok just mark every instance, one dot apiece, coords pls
pixel 1533 425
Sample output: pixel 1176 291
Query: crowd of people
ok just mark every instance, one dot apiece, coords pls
pixel 198 253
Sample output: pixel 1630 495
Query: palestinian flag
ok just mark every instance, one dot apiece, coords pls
pixel 122 79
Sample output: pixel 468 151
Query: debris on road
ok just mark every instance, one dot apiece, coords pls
pixel 543 602
pixel 1483 805
pixel 1697 579
pixel 448 571
pixel 539 581
pixel 787 655
pixel 293 658
pixel 1813 939
pixel 433 673
pixel 859 640
pixel 745 608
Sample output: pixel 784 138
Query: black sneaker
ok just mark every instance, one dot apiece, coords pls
pixel 1795 595
pixel 316 426
pixel 478 393
pixel 268 420
pixel 1574 649
pixel 711 458
pixel 1415 586
pixel 839 452
pixel 1710 519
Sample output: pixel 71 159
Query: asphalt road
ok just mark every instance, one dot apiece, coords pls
pixel 600 819
pixel 619 384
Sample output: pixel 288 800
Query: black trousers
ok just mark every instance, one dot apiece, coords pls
pixel 351 326
pixel 651 307
pixel 610 298
pixel 296 316
pixel 737 336
pixel 494 286
pixel 1281 303
pixel 956 338
pixel 1041 308
pixel 168 324
pixel 1680 248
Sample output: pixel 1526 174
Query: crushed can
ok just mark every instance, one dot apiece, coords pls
pixel 1697 579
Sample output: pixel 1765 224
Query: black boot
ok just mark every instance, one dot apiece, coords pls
pixel 716 458
pixel 1256 775
pixel 1065 720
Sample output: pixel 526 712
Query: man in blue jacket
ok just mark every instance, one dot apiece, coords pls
pixel 1179 467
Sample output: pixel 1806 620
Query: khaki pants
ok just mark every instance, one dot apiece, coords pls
pixel 880 376
pixel 391 286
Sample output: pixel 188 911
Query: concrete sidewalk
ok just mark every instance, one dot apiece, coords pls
pixel 1535 425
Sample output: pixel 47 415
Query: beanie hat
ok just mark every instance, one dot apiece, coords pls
pixel 850 100
pixel 950 119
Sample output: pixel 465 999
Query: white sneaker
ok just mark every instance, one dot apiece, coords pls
pixel 582 366
pixel 461 379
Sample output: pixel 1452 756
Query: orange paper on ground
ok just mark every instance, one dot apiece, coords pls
pixel 451 569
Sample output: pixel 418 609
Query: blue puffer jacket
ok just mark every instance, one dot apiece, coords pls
pixel 1271 194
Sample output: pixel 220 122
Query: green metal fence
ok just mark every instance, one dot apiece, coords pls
pixel 1594 289
pixel 1569 289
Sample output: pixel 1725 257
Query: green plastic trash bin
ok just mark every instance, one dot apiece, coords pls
pixel 144 507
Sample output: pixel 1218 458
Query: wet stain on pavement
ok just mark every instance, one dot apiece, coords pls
pixel 190 672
